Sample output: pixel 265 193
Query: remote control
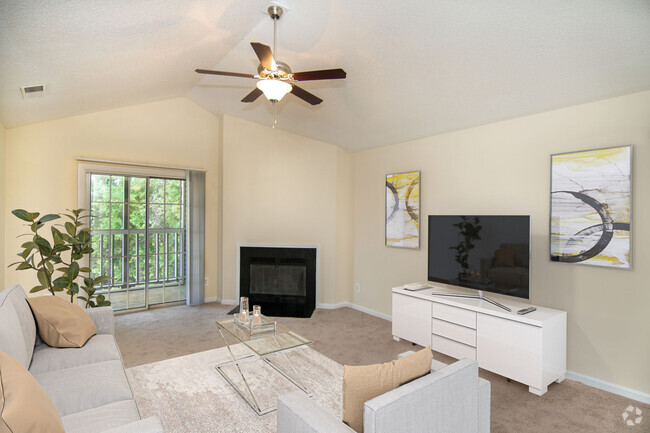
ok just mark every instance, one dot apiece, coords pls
pixel 414 287
pixel 526 310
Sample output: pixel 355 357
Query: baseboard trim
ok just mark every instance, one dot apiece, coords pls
pixel 332 306
pixel 227 302
pixel 356 307
pixel 221 301
pixel 633 394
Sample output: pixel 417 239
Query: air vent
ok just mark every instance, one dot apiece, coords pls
pixel 33 91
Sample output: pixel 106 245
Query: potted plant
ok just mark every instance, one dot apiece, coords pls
pixel 57 263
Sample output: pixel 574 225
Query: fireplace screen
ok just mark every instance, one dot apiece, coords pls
pixel 267 279
pixel 281 280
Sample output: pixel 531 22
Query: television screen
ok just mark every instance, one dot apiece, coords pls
pixel 482 252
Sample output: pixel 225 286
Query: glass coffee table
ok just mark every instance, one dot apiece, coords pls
pixel 261 347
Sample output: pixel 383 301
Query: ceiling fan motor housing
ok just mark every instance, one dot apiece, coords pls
pixel 283 71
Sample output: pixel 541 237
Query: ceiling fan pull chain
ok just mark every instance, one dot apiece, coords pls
pixel 275 111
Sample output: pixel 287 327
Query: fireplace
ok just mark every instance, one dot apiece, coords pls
pixel 282 280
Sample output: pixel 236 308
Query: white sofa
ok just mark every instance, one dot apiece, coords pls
pixel 88 385
pixel 450 399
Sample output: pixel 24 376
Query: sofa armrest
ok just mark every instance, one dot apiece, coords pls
pixel 484 391
pixel 147 425
pixel 103 319
pixel 445 400
pixel 298 414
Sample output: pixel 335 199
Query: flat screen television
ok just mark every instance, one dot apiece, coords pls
pixel 490 253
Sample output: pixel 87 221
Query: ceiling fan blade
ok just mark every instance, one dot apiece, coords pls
pixel 229 74
pixel 264 54
pixel 253 95
pixel 305 95
pixel 324 74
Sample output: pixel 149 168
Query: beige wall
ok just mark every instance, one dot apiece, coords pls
pixel 503 168
pixel 283 189
pixel 41 166
pixel 344 225
pixel 2 205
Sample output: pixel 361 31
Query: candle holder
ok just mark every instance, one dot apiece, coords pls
pixel 257 314
pixel 243 309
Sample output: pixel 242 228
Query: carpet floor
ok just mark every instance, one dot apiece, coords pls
pixel 350 337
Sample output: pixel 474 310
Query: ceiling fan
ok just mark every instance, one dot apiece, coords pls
pixel 275 78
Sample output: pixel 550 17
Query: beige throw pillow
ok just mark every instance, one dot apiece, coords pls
pixel 26 407
pixel 363 383
pixel 61 323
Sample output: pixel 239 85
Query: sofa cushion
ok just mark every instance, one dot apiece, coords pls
pixel 363 383
pixel 17 327
pixel 61 323
pixel 99 348
pixel 87 386
pixel 25 405
pixel 102 418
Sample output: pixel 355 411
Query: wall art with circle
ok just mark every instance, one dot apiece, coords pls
pixel 591 207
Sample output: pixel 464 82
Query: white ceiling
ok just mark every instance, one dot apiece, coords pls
pixel 415 68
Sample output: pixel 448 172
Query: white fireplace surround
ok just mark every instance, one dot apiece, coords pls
pixel 238 255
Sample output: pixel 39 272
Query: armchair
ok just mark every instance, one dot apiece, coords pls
pixel 452 398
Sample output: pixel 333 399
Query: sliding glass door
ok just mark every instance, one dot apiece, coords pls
pixel 138 233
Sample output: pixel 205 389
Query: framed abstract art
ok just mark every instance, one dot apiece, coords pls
pixel 591 207
pixel 402 226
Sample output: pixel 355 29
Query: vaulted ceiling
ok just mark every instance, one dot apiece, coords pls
pixel 415 68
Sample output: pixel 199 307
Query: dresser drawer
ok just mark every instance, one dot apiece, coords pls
pixel 452 348
pixel 455 332
pixel 459 316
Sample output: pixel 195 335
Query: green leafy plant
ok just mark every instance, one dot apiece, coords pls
pixel 469 230
pixel 56 263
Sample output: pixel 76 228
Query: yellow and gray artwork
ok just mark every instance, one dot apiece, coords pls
pixel 403 210
pixel 591 207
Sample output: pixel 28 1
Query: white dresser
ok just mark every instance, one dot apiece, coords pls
pixel 530 349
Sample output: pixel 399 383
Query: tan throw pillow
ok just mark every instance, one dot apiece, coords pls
pixel 363 383
pixel 504 258
pixel 61 323
pixel 26 407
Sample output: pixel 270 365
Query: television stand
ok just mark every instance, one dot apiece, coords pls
pixel 529 349
pixel 479 296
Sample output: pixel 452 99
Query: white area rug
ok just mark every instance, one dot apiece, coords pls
pixel 189 395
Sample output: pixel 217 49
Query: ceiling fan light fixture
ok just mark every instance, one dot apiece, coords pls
pixel 274 90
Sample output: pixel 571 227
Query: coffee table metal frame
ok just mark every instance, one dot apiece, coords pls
pixel 280 342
